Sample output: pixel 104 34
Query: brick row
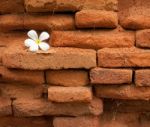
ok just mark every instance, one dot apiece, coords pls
pixel 69 94
pixel 68 77
pixel 71 5
pixel 32 21
pixel 96 18
pixel 92 39
pixel 128 92
pixel 40 107
pixel 123 57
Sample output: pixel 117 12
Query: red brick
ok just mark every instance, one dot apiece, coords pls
pixel 128 92
pixel 96 18
pixel 69 94
pixel 40 107
pixel 17 91
pixel 17 56
pixel 83 121
pixel 142 77
pixel 67 77
pixel 123 57
pixel 92 39
pixel 134 17
pixel 22 76
pixel 5 106
pixel 110 76
pixel 11 22
pixel 143 38
pixel 11 6
pixel 49 22
pixel 11 121
pixel 71 5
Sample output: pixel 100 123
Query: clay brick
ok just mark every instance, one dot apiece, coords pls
pixel 55 58
pixel 96 18
pixel 17 91
pixel 5 106
pixel 49 22
pixel 83 121
pixel 22 76
pixel 123 57
pixel 2 49
pixel 67 77
pixel 69 5
pixel 143 38
pixel 110 76
pixel 69 94
pixel 40 107
pixel 11 121
pixel 142 77
pixel 11 22
pixel 128 92
pixel 91 39
pixel 110 5
pixel 134 17
pixel 11 6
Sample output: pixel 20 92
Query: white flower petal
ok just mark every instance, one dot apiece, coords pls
pixel 34 48
pixel 29 42
pixel 44 46
pixel 43 36
pixel 33 35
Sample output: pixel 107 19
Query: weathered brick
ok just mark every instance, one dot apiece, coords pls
pixel 11 121
pixel 11 6
pixel 110 5
pixel 128 92
pixel 40 107
pixel 71 5
pixel 96 18
pixel 16 91
pixel 5 106
pixel 92 39
pixel 67 77
pixel 143 38
pixel 69 94
pixel 110 76
pixel 142 77
pixel 49 22
pixel 11 22
pixel 134 17
pixel 22 76
pixel 17 56
pixel 82 121
pixel 123 57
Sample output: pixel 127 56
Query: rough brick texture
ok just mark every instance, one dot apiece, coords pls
pixel 40 107
pixel 142 77
pixel 67 77
pixel 123 57
pixel 128 92
pixel 55 58
pixel 84 121
pixel 69 94
pixel 71 5
pixel 92 39
pixel 110 76
pixel 96 18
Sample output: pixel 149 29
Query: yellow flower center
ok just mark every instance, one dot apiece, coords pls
pixel 38 41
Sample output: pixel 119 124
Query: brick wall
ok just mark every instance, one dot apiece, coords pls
pixel 96 73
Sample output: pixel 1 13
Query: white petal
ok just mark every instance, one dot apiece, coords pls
pixel 29 42
pixel 43 36
pixel 44 46
pixel 33 35
pixel 34 48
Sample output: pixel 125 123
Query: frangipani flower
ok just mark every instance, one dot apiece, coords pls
pixel 35 42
